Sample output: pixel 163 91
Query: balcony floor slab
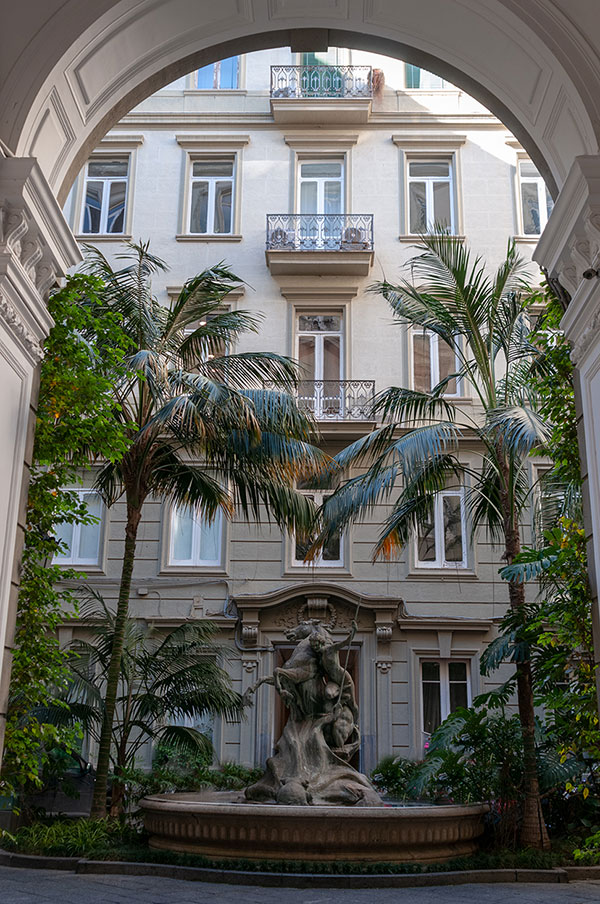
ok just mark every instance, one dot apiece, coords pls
pixel 319 263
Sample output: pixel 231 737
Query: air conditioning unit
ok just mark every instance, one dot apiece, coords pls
pixel 354 237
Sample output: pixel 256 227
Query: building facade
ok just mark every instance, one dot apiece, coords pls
pixel 311 176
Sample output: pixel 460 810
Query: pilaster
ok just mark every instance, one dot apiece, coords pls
pixel 569 249
pixel 36 248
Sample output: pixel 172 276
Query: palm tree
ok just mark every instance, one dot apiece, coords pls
pixel 480 319
pixel 165 679
pixel 202 430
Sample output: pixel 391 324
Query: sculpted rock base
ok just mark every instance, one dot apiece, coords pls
pixel 305 770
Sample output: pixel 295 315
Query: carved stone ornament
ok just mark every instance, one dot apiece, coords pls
pixel 249 633
pixel 383 633
pixel 12 318
pixel 383 666
pixel 249 665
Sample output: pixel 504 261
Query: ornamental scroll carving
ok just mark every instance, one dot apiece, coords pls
pixel 12 318
pixel 21 237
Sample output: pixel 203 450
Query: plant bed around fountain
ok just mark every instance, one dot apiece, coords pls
pixel 225 825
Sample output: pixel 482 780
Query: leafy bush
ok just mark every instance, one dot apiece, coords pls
pixel 395 776
pixel 589 853
pixel 79 838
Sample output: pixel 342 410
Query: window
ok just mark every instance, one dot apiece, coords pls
pixel 82 541
pixel 193 540
pixel 441 540
pixel 222 76
pixel 445 687
pixel 430 195
pixel 319 337
pixel 420 78
pixel 105 196
pixel 211 196
pixel 321 186
pixel 535 201
pixel 332 555
pixel 433 361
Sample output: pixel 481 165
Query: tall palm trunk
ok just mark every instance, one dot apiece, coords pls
pixel 533 831
pixel 134 513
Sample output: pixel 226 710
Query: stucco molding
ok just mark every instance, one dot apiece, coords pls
pixel 19 330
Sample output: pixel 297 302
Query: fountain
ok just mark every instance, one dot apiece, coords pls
pixel 311 803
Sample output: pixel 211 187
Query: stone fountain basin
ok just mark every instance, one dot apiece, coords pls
pixel 225 825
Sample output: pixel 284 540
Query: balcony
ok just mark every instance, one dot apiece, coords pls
pixel 321 94
pixel 331 244
pixel 337 400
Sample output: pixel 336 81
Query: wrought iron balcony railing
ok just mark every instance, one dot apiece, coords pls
pixel 337 400
pixel 320 231
pixel 321 81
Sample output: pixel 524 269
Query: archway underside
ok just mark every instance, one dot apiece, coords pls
pixel 139 46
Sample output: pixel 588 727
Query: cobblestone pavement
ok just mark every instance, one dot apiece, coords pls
pixel 28 886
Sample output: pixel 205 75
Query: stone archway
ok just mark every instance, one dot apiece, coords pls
pixel 71 70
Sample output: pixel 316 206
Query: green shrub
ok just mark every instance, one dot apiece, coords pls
pixel 589 854
pixel 395 776
pixel 73 838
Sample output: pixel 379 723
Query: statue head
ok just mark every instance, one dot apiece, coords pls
pixel 304 629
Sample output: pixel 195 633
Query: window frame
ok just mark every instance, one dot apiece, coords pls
pixel 325 158
pixel 434 363
pixel 445 711
pixel 211 202
pixel 70 561
pixel 542 193
pixel 318 562
pixel 438 515
pixel 445 85
pixel 106 183
pixel 195 563
pixel 217 75
pixel 198 148
pixel 429 183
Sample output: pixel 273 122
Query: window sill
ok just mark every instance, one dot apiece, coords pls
pixel 527 239
pixel 189 237
pixel 451 574
pixel 215 91
pixel 208 570
pixel 316 571
pixel 80 566
pixel 415 239
pixel 91 237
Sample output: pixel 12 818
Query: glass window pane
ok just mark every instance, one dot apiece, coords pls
pixel 531 209
pixel 108 168
pixel 210 540
pixel 212 167
pixel 441 203
pixel 93 207
pixel 308 197
pixel 306 356
pixel 453 539
pixel 447 365
pixel 430 168
pixel 199 207
pixel 457 671
pixel 458 695
pixel 331 552
pixel 89 534
pixel 549 203
pixel 321 169
pixel 430 80
pixel 64 533
pixel 333 197
pixel 527 168
pixel 431 671
pixel 223 193
pixel 115 221
pixel 422 362
pixel 417 207
pixel 320 323
pixel 206 77
pixel 228 76
pixel 426 541
pixel 432 710
pixel 301 546
pixel 331 358
pixel 181 535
